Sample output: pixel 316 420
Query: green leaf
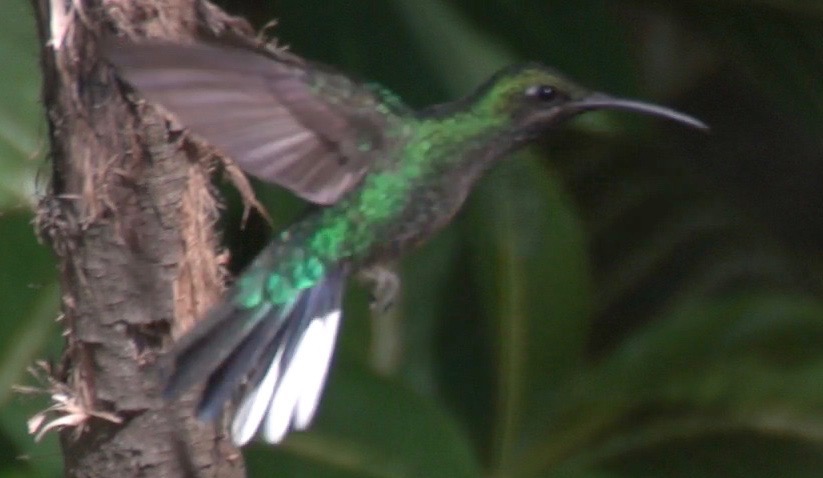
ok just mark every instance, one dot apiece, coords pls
pixel 463 55
pixel 29 295
pixel 21 117
pixel 29 299
pixel 371 427
pixel 33 459
pixel 691 375
pixel 529 252
pixel 429 281
pixel 731 454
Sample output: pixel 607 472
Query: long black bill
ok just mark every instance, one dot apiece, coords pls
pixel 600 101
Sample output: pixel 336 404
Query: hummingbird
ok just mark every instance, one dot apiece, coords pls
pixel 386 178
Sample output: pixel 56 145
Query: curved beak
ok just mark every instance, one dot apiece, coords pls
pixel 600 101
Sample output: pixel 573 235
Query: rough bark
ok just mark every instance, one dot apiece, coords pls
pixel 130 214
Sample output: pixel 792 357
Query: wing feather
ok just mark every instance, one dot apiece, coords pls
pixel 277 120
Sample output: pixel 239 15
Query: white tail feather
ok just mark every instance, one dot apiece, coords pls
pixel 287 394
pixel 255 404
pixel 297 394
pixel 316 373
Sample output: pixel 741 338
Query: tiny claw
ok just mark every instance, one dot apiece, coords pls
pixel 385 288
pixel 380 305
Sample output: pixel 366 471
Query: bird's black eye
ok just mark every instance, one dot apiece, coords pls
pixel 542 92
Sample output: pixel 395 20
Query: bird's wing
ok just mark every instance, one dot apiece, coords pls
pixel 312 131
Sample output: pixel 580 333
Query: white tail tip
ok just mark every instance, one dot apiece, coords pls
pixel 287 399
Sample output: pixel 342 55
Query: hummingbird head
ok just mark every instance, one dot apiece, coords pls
pixel 534 98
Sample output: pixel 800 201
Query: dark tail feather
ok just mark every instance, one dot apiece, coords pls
pixel 228 376
pixel 234 344
pixel 210 343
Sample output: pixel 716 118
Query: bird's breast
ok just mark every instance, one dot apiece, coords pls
pixel 419 214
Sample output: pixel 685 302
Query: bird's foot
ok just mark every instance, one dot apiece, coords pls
pixel 385 287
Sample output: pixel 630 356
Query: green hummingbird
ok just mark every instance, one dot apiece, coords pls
pixel 388 177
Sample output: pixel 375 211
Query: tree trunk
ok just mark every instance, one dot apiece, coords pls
pixel 130 214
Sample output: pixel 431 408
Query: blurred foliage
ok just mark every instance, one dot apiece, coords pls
pixel 28 279
pixel 630 299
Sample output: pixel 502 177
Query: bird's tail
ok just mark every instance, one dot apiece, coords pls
pixel 281 352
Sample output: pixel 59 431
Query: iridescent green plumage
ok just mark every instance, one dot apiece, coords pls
pixel 389 178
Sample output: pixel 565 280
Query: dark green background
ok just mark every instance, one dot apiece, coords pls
pixel 627 299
